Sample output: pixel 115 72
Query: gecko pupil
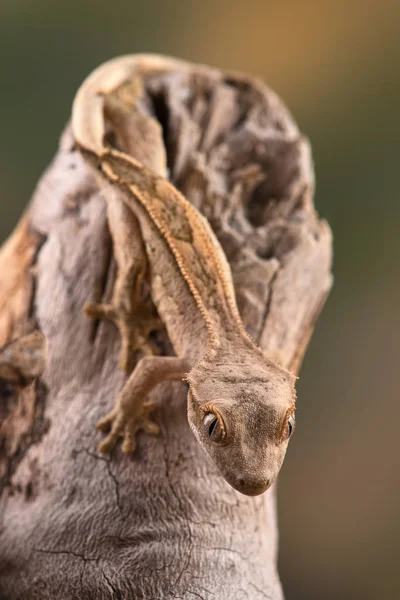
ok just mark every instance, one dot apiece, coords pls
pixel 212 426
pixel 290 426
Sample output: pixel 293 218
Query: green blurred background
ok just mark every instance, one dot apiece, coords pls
pixel 337 67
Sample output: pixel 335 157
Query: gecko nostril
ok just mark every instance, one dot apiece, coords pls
pixel 241 482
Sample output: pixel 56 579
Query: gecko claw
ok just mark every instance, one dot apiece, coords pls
pixel 127 427
pixel 129 443
pixel 106 422
pixel 150 427
pixel 144 424
pixel 108 444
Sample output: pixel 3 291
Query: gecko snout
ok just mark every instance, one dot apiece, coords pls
pixel 250 488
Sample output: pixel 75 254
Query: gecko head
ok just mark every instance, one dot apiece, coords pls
pixel 243 417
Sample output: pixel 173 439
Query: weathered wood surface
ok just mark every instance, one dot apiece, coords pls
pixel 163 523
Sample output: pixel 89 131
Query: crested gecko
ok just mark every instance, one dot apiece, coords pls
pixel 240 403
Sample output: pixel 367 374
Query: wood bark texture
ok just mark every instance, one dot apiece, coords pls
pixel 162 523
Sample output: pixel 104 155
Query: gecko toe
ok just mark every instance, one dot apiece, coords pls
pixel 106 422
pixel 108 444
pixel 99 311
pixel 126 426
pixel 129 443
pixel 150 427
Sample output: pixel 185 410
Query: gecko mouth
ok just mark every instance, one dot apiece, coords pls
pixel 242 485
pixel 252 489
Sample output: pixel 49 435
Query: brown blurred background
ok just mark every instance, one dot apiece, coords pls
pixel 337 68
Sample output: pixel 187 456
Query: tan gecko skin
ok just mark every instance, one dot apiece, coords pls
pixel 240 403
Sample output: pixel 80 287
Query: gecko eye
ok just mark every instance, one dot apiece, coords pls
pixel 290 427
pixel 213 427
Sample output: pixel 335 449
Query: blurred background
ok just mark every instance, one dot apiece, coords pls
pixel 337 67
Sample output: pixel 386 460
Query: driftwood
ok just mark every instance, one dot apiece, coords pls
pixel 162 523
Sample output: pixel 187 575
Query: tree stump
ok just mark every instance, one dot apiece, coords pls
pixel 161 523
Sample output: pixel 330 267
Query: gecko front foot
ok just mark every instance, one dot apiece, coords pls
pixel 134 329
pixel 126 426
